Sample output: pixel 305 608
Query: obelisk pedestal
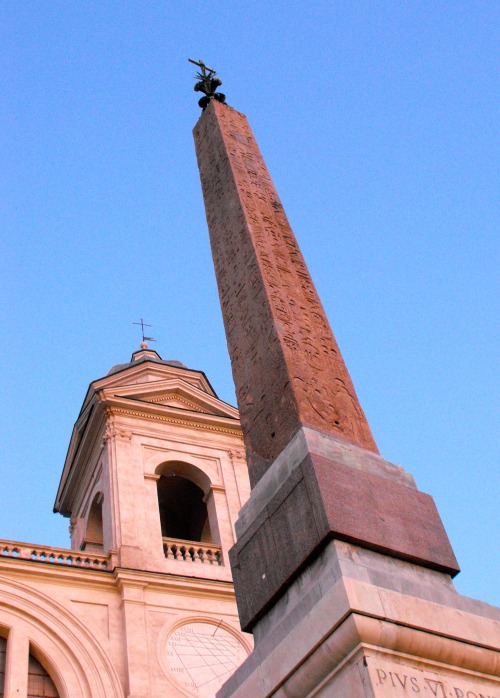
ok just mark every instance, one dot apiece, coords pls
pixel 359 624
pixel 337 549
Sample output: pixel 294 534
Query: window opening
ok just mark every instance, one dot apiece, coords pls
pixel 40 685
pixel 3 653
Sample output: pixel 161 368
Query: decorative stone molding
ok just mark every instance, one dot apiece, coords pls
pixel 181 422
pixel 151 476
pixel 118 433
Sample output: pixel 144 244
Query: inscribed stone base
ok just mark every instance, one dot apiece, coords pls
pixel 369 673
pixel 357 623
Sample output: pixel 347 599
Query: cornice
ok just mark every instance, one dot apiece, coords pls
pixel 199 420
pixel 32 572
pixel 82 445
pixel 165 581
pixel 164 371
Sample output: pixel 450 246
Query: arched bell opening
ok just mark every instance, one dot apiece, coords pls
pixel 94 540
pixel 183 511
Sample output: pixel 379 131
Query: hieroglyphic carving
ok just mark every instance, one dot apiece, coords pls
pixel 286 363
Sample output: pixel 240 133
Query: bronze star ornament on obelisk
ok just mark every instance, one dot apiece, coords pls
pixel 326 514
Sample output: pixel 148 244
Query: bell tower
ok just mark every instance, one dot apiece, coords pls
pixel 153 481
pixel 155 472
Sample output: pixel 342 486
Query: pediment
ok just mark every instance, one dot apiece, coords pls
pixel 149 372
pixel 175 400
pixel 173 393
pixel 146 374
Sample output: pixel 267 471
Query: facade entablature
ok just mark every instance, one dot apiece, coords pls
pixel 124 406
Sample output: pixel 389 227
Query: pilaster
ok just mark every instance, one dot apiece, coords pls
pixel 16 669
pixel 217 506
pixel 136 640
pixel 127 493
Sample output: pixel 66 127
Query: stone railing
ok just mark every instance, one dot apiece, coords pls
pixel 54 556
pixel 189 551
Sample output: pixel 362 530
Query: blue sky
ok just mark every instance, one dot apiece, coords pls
pixel 379 125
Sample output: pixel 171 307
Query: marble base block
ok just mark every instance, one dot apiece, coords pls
pixel 360 624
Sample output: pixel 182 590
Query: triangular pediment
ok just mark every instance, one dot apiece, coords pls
pixel 173 393
pixel 145 374
pixel 175 400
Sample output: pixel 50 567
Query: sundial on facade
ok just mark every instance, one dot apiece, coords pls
pixel 201 656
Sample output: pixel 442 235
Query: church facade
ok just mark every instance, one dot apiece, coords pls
pixel 142 605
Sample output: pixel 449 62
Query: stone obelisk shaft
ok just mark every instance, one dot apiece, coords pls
pixel 286 364
pixel 314 468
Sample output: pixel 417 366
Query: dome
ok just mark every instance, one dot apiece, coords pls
pixel 145 355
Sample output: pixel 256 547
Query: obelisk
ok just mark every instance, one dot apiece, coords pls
pixel 321 493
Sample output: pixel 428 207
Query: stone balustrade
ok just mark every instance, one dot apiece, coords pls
pixel 54 556
pixel 189 551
